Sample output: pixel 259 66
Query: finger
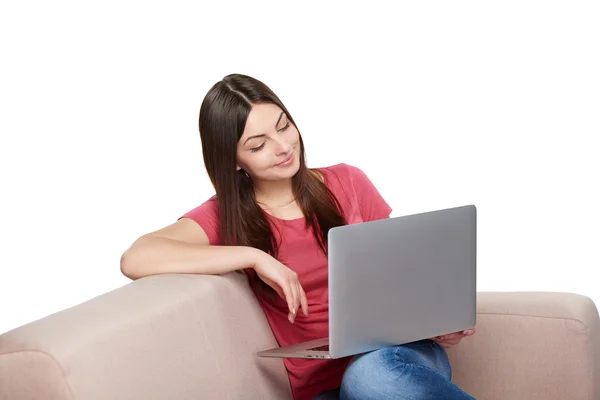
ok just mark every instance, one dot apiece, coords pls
pixel 276 288
pixel 303 300
pixel 295 301
pixel 280 292
pixel 469 332
pixel 447 343
pixel 289 297
pixel 451 336
pixel 298 299
pixel 452 341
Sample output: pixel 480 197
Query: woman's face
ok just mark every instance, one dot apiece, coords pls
pixel 269 148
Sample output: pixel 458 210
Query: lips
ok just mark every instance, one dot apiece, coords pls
pixel 289 158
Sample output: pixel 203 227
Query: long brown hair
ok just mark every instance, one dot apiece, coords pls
pixel 223 116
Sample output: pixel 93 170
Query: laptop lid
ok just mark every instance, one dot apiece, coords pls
pixel 401 279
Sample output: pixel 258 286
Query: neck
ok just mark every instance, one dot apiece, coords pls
pixel 273 192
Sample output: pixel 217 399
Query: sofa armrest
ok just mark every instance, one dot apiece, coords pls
pixel 159 337
pixel 531 345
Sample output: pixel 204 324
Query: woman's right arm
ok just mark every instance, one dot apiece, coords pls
pixel 183 248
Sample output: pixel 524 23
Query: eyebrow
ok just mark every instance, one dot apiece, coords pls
pixel 262 134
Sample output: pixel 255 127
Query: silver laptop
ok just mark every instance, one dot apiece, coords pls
pixel 396 281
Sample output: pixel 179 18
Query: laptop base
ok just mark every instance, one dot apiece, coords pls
pixel 312 349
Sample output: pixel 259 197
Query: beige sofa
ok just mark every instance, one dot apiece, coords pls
pixel 194 337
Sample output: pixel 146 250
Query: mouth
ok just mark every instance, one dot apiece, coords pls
pixel 286 162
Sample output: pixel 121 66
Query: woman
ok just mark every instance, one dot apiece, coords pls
pixel 270 217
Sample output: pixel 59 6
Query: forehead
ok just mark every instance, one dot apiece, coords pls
pixel 262 118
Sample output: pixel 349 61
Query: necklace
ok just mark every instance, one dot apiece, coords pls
pixel 267 207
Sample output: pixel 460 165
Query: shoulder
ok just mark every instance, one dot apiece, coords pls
pixel 363 200
pixel 345 174
pixel 207 216
pixel 339 168
pixel 209 209
pixel 210 204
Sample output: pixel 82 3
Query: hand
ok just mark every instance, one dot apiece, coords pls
pixel 284 281
pixel 452 339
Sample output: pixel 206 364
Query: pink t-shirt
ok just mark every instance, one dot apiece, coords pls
pixel 299 251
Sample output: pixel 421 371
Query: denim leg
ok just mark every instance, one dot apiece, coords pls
pixel 414 371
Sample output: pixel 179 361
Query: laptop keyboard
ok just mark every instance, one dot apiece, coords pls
pixel 320 348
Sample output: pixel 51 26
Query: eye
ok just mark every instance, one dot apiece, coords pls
pixel 255 149
pixel 285 127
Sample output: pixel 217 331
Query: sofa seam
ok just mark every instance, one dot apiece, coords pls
pixel 536 316
pixel 51 357
pixel 189 297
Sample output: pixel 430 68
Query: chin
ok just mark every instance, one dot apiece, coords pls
pixel 294 169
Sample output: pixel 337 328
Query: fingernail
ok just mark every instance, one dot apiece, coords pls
pixel 466 332
pixel 293 311
pixel 291 318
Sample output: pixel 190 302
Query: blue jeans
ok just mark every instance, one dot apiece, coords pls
pixel 415 371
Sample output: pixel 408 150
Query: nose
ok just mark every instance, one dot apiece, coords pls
pixel 282 146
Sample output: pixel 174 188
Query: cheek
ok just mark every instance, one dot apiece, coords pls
pixel 295 137
pixel 254 162
pixel 246 161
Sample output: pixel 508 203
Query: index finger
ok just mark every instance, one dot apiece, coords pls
pixel 451 336
pixel 303 300
pixel 289 297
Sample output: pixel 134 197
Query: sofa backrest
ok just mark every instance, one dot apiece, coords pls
pixel 167 336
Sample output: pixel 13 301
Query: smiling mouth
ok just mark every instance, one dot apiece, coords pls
pixel 286 160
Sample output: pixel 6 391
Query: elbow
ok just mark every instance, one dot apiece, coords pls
pixel 135 260
pixel 128 265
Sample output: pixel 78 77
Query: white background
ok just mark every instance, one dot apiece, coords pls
pixel 441 103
